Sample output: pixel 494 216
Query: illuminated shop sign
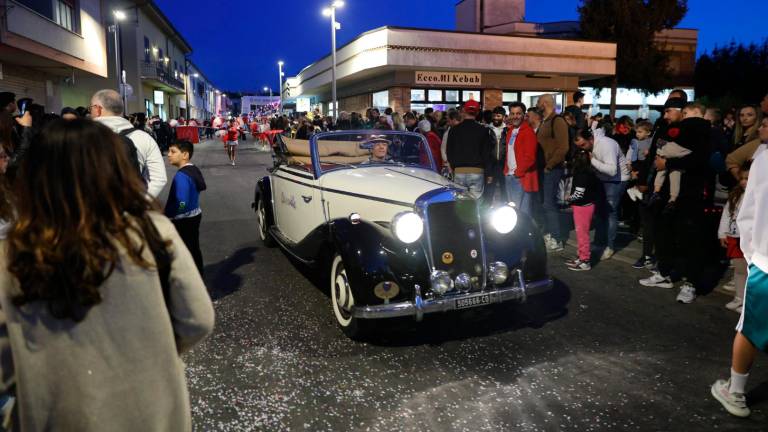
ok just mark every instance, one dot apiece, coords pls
pixel 449 78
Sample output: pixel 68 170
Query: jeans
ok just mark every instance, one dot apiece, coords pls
pixel 473 182
pixel 550 189
pixel 515 193
pixel 609 220
pixel 582 219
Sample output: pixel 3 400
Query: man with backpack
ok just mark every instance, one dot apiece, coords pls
pixel 107 109
pixel 553 139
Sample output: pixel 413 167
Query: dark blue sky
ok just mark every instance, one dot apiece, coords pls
pixel 237 44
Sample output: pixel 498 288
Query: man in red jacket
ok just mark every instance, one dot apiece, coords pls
pixel 519 155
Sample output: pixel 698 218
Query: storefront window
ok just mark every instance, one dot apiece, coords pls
pixel 436 95
pixel 470 95
pixel 381 99
pixel 508 97
pixel 418 95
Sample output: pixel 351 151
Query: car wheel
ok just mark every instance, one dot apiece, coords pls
pixel 262 224
pixel 342 300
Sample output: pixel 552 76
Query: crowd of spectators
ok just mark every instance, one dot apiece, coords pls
pixel 659 182
pixel 96 284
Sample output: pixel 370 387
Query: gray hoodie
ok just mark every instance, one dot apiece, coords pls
pixel 148 151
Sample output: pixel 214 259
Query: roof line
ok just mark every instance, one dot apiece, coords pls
pixel 339 48
pixel 156 9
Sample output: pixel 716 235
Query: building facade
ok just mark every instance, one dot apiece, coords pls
pixel 153 54
pixel 414 69
pixel 201 93
pixel 49 48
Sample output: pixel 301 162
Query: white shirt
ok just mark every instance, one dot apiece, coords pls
pixel 511 161
pixel 150 158
pixel 753 213
pixel 607 159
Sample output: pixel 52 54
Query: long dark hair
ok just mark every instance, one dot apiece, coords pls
pixel 737 191
pixel 80 205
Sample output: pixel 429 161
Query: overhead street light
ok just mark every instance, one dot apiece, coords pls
pixel 118 16
pixel 331 12
pixel 280 75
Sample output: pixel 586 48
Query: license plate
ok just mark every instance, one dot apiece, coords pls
pixel 478 300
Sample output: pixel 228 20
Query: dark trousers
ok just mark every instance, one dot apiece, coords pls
pixel 498 183
pixel 189 231
pixel 648 214
pixel 680 244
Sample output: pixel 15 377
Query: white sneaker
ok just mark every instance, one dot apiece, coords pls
pixel 657 280
pixel 734 403
pixel 730 286
pixel 607 254
pixel 687 293
pixel 634 194
pixel 734 304
pixel 555 246
pixel 580 266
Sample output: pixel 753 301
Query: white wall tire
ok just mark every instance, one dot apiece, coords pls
pixel 342 299
pixel 262 224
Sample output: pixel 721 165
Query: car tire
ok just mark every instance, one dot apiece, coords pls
pixel 342 300
pixel 262 225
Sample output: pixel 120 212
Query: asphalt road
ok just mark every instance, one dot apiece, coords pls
pixel 618 356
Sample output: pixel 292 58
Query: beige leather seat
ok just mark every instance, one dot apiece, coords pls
pixel 348 152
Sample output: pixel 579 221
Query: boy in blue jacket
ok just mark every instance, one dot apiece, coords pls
pixel 183 205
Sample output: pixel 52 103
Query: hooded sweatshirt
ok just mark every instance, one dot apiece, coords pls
pixel 184 196
pixel 753 213
pixel 150 158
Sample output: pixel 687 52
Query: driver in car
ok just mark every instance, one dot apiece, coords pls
pixel 379 151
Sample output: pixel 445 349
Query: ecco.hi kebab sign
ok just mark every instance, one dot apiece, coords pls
pixel 449 78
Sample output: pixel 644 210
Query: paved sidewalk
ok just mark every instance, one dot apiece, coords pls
pixel 632 250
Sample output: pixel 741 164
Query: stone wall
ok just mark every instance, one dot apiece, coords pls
pixel 491 99
pixel 400 99
pixel 357 103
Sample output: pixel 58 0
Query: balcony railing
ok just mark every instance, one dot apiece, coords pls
pixel 157 71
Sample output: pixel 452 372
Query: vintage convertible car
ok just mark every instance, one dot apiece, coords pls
pixel 397 238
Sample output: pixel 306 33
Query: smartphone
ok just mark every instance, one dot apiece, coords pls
pixel 23 108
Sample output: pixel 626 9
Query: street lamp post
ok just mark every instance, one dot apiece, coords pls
pixel 280 70
pixel 268 89
pixel 118 16
pixel 331 11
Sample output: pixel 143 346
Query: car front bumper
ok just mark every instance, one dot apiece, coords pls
pixel 418 307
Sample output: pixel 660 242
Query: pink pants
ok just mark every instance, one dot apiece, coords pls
pixel 582 219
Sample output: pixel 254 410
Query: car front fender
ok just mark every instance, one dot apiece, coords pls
pixel 523 247
pixel 372 255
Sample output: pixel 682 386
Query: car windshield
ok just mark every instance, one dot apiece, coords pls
pixel 370 148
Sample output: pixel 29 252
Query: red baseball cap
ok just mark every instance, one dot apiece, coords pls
pixel 472 106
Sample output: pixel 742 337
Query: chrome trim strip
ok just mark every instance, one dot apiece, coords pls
pixel 419 307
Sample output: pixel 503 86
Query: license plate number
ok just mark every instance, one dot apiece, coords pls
pixel 478 300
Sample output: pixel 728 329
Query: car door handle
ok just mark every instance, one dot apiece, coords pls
pixel 307 198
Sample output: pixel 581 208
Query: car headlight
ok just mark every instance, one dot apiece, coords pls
pixel 498 272
pixel 407 227
pixel 504 219
pixel 463 282
pixel 441 281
